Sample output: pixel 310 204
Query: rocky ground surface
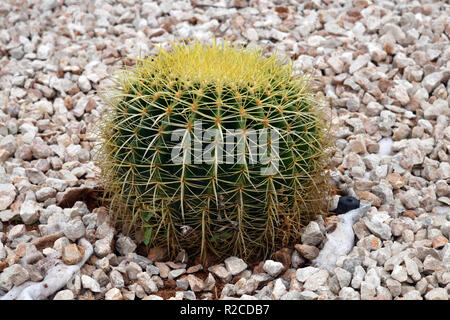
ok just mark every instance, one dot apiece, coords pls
pixel 384 67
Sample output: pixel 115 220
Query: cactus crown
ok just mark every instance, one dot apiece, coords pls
pixel 223 207
pixel 215 64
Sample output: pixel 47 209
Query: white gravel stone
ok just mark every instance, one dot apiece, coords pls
pixel 147 283
pixel 412 295
pixel 437 294
pixel 235 265
pixel 359 63
pixel 103 247
pixel 292 295
pixel 432 80
pixel 251 34
pixel 58 184
pixel 395 287
pixel 45 193
pixel 74 230
pixel 113 294
pixel 221 272
pixel 14 275
pixel 279 289
pixel 273 267
pixel 379 229
pixel 308 295
pixel 367 291
pixel 399 273
pixel 312 235
pixel 7 195
pixel 344 277
pixel 132 270
pixel 64 295
pixel 117 279
pixel 316 280
pixel 348 293
pixel 84 83
pixel 176 273
pixel 372 277
pixel 412 269
pixel 29 211
pixel 90 283
pixel 125 245
pixel 303 274
pixel 358 276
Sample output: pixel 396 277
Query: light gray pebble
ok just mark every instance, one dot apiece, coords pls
pixel 90 283
pixel 125 245
pixel 64 295
pixel 74 230
pixel 348 293
pixel 235 265
pixel 273 267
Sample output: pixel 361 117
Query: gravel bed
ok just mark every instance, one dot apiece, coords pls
pixel 384 68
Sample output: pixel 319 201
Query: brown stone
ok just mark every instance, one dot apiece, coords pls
pixel 396 180
pixel 371 127
pixel 73 91
pixel 171 284
pixel 194 269
pixel 240 3
pixel 47 241
pixel 259 268
pixel 427 9
pixel 21 250
pixel 389 48
pixel 410 214
pixel 284 256
pixel 12 259
pixel 358 146
pixel 3 265
pixel 373 147
pixel 88 195
pixel 68 103
pixel 375 243
pixel 195 283
pixel 163 269
pixel 354 12
pixel 331 223
pixel 72 254
pixel 283 12
pixel 158 254
pixel 369 197
pixel 364 185
pixel 91 105
pixel 92 260
pixel 384 84
pixel 307 251
pixel 439 242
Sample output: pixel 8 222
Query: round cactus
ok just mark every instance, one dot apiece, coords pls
pixel 214 149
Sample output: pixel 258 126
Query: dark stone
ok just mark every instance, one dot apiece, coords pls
pixel 346 204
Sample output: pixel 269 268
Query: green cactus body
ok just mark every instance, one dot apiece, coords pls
pixel 217 206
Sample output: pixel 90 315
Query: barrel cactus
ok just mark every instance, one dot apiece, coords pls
pixel 214 149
